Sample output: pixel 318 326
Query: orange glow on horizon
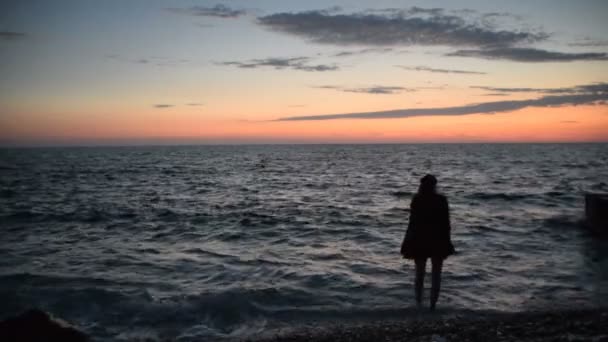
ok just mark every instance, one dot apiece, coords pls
pixel 567 124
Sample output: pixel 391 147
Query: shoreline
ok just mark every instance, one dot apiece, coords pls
pixel 572 325
pixel 552 325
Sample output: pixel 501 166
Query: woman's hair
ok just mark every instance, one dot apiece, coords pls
pixel 428 185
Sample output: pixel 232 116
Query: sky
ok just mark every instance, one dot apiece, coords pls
pixel 239 72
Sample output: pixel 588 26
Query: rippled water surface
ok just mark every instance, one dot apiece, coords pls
pixel 195 242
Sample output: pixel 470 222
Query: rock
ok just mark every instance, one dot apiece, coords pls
pixel 37 326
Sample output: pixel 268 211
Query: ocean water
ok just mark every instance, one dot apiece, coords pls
pixel 212 242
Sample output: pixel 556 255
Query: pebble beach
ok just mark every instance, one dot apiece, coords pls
pixel 567 325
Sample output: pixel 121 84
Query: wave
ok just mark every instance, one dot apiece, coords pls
pixel 499 196
pixel 230 314
pixel 563 221
pixel 7 193
pixel 116 307
pixel 401 194
pixel 62 280
pixel 85 215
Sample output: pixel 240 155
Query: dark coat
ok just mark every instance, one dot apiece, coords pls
pixel 428 232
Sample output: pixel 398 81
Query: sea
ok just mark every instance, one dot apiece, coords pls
pixel 204 243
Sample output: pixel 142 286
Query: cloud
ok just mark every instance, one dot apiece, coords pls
pixel 420 10
pixel 166 105
pixel 217 11
pixel 376 90
pixel 10 35
pixel 393 27
pixel 601 87
pixel 500 14
pixel 295 63
pixel 529 55
pixel 510 90
pixel 495 94
pixel 581 89
pixel 588 42
pixel 569 121
pixel 151 61
pixel 580 95
pixel 478 35
pixel 362 52
pixel 441 71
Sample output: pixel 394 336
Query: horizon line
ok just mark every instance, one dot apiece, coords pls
pixel 193 144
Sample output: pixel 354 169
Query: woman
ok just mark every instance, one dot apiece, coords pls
pixel 428 235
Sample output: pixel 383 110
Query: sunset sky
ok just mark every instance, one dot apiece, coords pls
pixel 156 72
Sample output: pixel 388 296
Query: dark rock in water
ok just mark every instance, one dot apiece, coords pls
pixel 596 211
pixel 36 325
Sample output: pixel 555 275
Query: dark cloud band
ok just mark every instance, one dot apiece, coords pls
pixel 441 71
pixel 598 94
pixel 391 27
pixel 594 88
pixel 218 11
pixel 374 90
pixel 295 63
pixel 529 55
pixel 10 35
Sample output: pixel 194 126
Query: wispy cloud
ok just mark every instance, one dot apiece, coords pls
pixel 376 90
pixel 479 35
pixel 394 27
pixel 441 71
pixel 218 11
pixel 500 14
pixel 585 94
pixel 11 35
pixel 362 52
pixel 151 61
pixel 167 105
pixel 510 90
pixel 582 89
pixel 294 63
pixel 529 55
pixel 495 94
pixel 588 42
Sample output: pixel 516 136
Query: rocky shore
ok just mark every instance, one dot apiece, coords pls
pixel 571 326
pixel 38 326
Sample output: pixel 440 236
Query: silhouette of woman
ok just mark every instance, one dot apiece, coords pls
pixel 428 236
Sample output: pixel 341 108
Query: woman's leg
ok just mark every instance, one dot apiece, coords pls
pixel 419 282
pixel 436 280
